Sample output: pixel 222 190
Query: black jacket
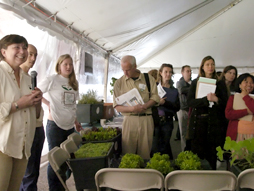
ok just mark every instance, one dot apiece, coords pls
pixel 201 106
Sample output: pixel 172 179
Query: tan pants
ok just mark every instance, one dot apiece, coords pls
pixel 137 135
pixel 12 171
pixel 182 116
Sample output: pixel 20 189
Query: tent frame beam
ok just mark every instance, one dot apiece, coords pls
pixel 192 30
pixel 162 25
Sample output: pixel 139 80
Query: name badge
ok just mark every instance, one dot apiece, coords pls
pixel 142 87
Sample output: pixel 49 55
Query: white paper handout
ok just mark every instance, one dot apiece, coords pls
pixel 131 98
pixel 204 87
pixel 161 91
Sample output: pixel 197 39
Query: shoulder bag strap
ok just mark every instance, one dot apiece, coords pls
pixel 147 82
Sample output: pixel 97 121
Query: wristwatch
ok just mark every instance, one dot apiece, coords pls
pixel 16 105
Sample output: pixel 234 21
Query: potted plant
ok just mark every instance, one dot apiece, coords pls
pixel 89 108
pixel 112 83
pixel 241 154
pixel 100 135
pixel 161 163
pixel 130 160
pixel 88 159
pixel 187 160
pixel 108 110
pixel 158 162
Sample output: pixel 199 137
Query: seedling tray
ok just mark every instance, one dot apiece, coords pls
pixel 84 169
pixel 117 140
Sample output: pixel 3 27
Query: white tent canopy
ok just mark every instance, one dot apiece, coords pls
pixel 154 31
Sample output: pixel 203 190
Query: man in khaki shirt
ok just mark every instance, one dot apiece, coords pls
pixel 137 128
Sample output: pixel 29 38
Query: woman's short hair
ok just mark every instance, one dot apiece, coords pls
pixel 239 80
pixel 11 39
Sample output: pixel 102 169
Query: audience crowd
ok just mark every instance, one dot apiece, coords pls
pixel 204 119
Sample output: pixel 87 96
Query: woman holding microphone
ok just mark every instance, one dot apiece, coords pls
pixel 19 108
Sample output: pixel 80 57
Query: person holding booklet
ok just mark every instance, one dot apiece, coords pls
pixel 169 105
pixel 138 126
pixel 240 128
pixel 204 130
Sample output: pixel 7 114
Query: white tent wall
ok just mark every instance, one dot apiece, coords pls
pixel 50 48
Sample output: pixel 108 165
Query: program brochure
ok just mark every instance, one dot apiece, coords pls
pixel 131 98
pixel 204 87
pixel 161 91
pixel 240 104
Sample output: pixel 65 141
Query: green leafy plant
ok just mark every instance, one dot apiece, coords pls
pixel 241 153
pixel 101 134
pixel 161 163
pixel 130 160
pixel 187 160
pixel 93 150
pixel 112 83
pixel 89 98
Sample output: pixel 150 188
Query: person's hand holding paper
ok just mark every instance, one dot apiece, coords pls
pixel 206 88
pixel 212 97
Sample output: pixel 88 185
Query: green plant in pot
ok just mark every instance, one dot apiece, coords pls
pixel 158 162
pixel 130 160
pixel 187 160
pixel 112 83
pixel 161 163
pixel 89 98
pixel 93 150
pixel 89 107
pixel 241 153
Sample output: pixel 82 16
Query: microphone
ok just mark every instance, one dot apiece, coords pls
pixel 33 79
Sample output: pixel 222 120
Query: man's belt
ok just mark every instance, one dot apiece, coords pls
pixel 140 114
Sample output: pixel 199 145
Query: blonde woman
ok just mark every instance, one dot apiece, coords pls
pixel 62 89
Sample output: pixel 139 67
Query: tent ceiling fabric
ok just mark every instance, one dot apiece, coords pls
pixel 154 31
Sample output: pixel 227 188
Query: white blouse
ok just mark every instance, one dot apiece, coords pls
pixel 16 129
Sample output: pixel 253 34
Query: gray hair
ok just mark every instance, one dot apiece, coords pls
pixel 129 59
